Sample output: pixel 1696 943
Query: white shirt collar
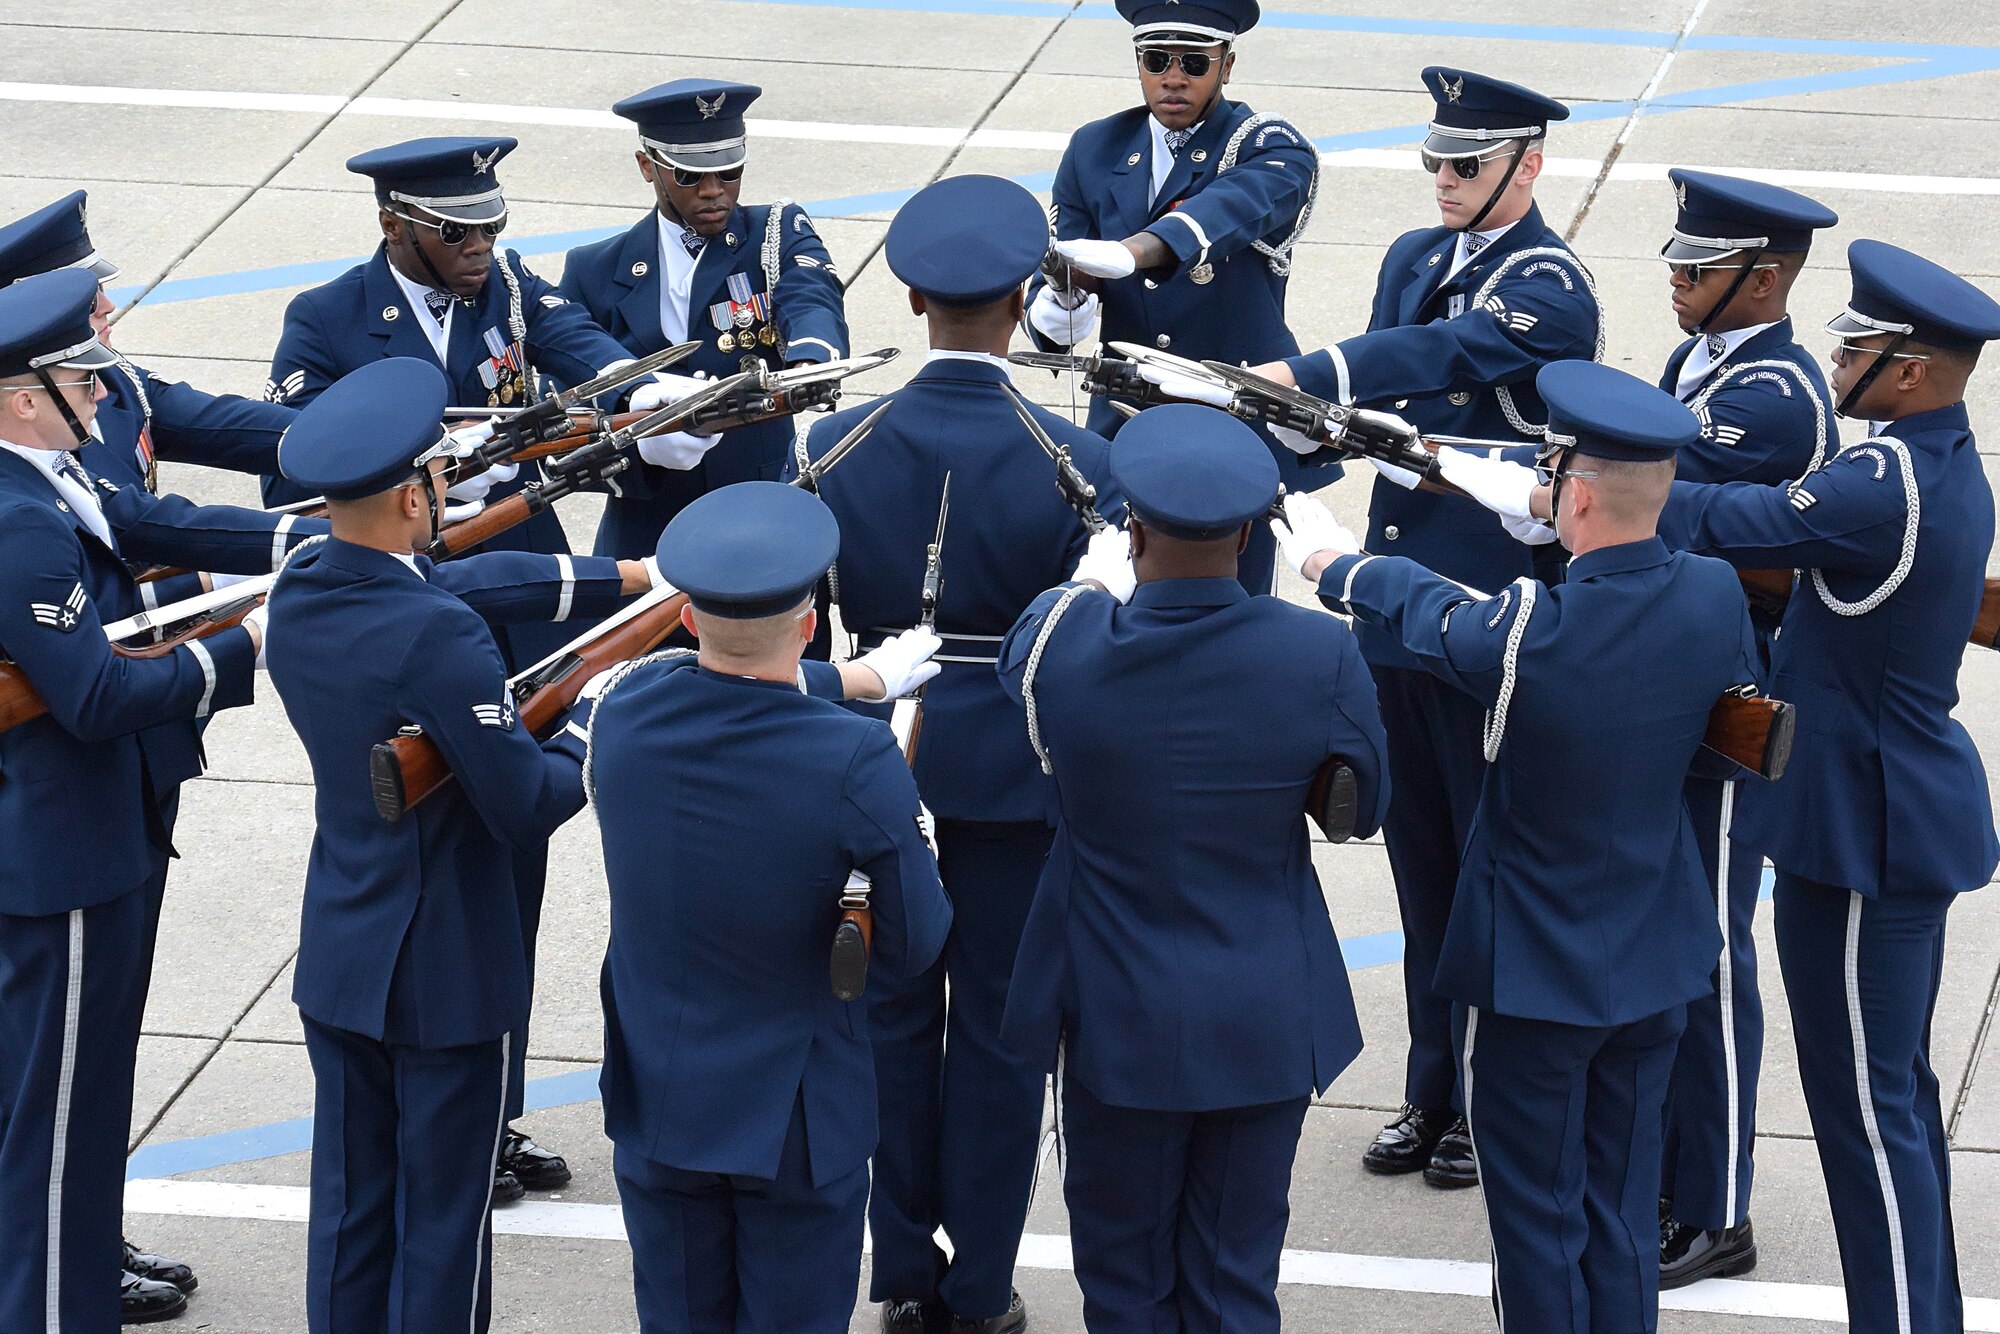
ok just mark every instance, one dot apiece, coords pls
pixel 938 354
pixel 1163 157
pixel 438 331
pixel 676 280
pixel 1462 254
pixel 408 560
pixel 85 505
pixel 1710 351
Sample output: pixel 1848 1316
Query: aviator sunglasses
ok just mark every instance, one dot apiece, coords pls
pixel 1157 60
pixel 1465 168
pixel 688 180
pixel 454 233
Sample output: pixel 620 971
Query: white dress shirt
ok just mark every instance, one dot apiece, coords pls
pixel 1463 253
pixel 84 503
pixel 438 331
pixel 951 354
pixel 1710 351
pixel 676 280
pixel 1163 157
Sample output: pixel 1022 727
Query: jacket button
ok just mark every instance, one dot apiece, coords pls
pixel 1151 285
pixel 1163 342
pixel 1392 532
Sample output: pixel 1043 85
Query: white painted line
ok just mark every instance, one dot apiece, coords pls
pixel 1314 1269
pixel 937 136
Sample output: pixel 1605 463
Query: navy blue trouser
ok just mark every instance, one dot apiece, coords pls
pixel 1862 978
pixel 72 997
pixel 404 1141
pixel 718 1254
pixel 1177 1219
pixel 961 1112
pixel 531 874
pixel 1706 1167
pixel 1435 772
pixel 1566 1129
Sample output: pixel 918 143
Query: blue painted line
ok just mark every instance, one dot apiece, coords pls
pixel 1449 28
pixel 228 1147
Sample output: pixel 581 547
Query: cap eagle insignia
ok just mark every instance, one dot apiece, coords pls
pixel 1681 193
pixel 1453 88
pixel 709 108
pixel 483 163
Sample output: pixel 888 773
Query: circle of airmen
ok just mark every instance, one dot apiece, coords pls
pixel 1050 817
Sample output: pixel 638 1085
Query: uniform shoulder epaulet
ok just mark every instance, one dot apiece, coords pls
pixel 1258 131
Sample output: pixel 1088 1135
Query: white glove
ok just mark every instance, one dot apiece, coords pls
pixel 260 616
pixel 1532 531
pixel 1108 560
pixel 664 388
pixel 456 513
pixel 476 487
pixel 652 567
pixel 1499 485
pixel 1296 441
pixel 1060 324
pixel 1177 385
pixel 472 435
pixel 1402 477
pixel 1309 528
pixel 218 582
pixel 1099 259
pixel 903 663
pixel 678 450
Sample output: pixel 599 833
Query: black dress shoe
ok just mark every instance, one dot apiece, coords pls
pixel 1689 1254
pixel 1452 1166
pixel 912 1316
pixel 143 1300
pixel 159 1268
pixel 1406 1143
pixel 532 1165
pixel 1011 1321
pixel 507 1187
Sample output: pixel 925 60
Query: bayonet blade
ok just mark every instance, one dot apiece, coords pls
pixel 623 375
pixel 809 476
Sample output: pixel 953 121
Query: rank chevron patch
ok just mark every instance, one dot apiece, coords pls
pixel 65 617
pixel 499 715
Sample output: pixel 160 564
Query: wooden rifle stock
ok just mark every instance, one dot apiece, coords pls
pixel 1754 731
pixel 409 766
pixel 1986 628
pixel 1334 800
pixel 20 702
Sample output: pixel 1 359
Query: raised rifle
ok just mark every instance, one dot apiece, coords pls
pixel 1076 489
pixel 408 767
pixel 854 935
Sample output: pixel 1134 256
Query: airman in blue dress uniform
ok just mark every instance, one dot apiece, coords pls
pixel 738 1089
pixel 439 289
pixel 1736 249
pixel 1179 970
pixel 412 977
pixel 1465 315
pixel 749 282
pixel 1597 693
pixel 1883 817
pixel 87 800
pixel 1181 215
pixel 961 1112
pixel 143 418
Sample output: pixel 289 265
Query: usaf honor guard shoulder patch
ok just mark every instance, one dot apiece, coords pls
pixel 65 617
pixel 499 715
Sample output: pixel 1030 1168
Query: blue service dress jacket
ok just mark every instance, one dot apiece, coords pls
pixel 1458 356
pixel 362 316
pixel 769 254
pixel 83 787
pixel 1179 944
pixel 1766 415
pixel 1239 192
pixel 1885 792
pixel 1581 897
pixel 1009 535
pixel 410 932
pixel 143 418
pixel 733 811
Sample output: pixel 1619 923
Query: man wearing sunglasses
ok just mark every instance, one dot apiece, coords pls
pixel 437 290
pixel 1175 220
pixel 751 283
pixel 1883 816
pixel 1465 315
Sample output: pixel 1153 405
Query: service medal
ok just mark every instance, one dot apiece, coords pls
pixel 492 399
pixel 507 391
pixel 1202 273
pixel 718 315
pixel 726 343
pixel 767 336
